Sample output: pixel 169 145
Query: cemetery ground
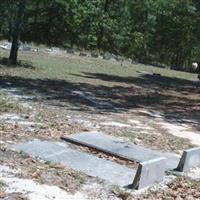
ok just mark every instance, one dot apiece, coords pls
pixel 50 95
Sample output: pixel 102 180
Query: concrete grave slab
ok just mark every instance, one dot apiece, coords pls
pixel 148 173
pixel 120 148
pixel 190 158
pixel 77 160
pixel 41 149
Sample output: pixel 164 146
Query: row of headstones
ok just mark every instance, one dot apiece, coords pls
pixel 103 55
pixel 94 54
pixel 23 47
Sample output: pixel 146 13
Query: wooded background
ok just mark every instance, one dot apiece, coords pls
pixel 164 32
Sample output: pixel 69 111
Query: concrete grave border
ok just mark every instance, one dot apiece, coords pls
pixel 149 173
pixel 189 159
pixel 121 147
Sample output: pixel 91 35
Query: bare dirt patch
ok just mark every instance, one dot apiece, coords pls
pixel 182 189
pixel 42 172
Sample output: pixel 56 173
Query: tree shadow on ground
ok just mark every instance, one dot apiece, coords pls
pixel 155 81
pixel 4 62
pixel 177 99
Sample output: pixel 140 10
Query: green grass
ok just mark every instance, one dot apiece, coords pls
pixel 75 69
pixel 129 86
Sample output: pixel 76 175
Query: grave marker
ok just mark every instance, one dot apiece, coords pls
pixel 190 158
pixel 71 51
pixel 149 173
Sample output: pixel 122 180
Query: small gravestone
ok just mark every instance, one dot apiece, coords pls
pixel 120 58
pixel 26 48
pixel 129 60
pixel 6 46
pixel 83 54
pixel 55 49
pixel 35 50
pixel 70 51
pixel 113 56
pixel 107 56
pixel 113 59
pixel 94 54
pixel 134 62
pixel 48 50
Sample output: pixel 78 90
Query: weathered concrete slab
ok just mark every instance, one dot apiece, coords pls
pixel 117 147
pixel 149 173
pixel 41 149
pixel 84 162
pixel 189 159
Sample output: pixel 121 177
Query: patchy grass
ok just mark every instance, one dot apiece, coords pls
pixel 128 86
pixel 44 173
pixel 4 62
pixel 182 188
pixel 69 67
pixel 6 106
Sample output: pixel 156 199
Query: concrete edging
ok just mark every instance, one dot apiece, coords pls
pixel 189 159
pixel 149 173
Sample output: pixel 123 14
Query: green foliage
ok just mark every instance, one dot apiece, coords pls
pixel 167 32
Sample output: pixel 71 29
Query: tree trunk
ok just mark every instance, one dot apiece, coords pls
pixel 106 5
pixel 16 33
pixel 36 19
pixel 100 34
pixel 10 30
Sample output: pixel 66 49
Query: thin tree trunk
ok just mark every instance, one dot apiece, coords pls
pixel 16 33
pixel 106 5
pixel 36 19
pixel 10 30
pixel 100 36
